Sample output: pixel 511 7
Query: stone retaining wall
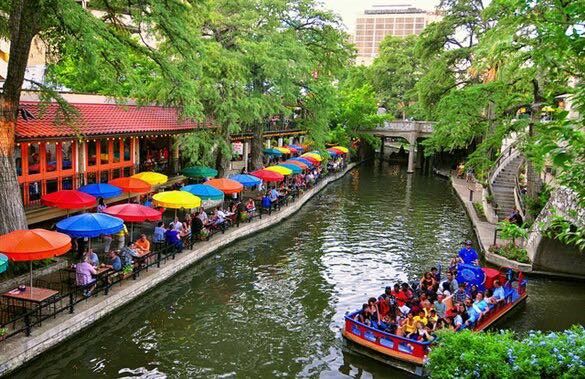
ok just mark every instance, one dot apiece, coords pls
pixel 19 350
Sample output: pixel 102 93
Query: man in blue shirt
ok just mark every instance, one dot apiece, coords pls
pixel 468 254
pixel 115 263
pixel 499 293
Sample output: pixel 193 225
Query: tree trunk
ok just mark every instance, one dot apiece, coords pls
pixel 257 147
pixel 533 181
pixel 23 24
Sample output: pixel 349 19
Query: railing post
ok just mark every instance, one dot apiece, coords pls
pixel 470 195
pixel 495 235
pixel 71 302
pixel 158 257
pixel 27 325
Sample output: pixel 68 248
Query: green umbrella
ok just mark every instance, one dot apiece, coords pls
pixel 200 172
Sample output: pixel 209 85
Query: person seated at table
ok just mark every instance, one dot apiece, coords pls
pixel 172 238
pixel 177 225
pixel 203 216
pixel 274 195
pixel 92 258
pixel 468 255
pixel 148 201
pixel 159 233
pixel 84 275
pixel 186 230
pixel 143 244
pixel 114 261
pixel 196 226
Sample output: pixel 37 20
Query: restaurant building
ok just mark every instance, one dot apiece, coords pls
pixel 104 141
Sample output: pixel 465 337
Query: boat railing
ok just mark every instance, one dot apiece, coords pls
pixel 417 349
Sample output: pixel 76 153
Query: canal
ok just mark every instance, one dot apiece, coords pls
pixel 273 304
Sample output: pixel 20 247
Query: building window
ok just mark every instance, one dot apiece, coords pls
pixel 104 151
pixel 50 156
pixel 34 158
pixel 18 160
pixel 66 155
pixel 117 144
pixel 127 151
pixel 91 153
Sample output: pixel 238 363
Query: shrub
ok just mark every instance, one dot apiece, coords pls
pixel 512 252
pixel 503 355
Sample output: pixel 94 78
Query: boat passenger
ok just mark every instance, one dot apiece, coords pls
pixel 473 291
pixel 499 292
pixel 421 317
pixel 421 333
pixel 384 305
pixel 457 321
pixel 439 306
pixel 374 313
pixel 428 282
pixel 408 325
pixel 453 284
pixel 436 274
pixel 362 316
pixel 460 295
pixel 468 255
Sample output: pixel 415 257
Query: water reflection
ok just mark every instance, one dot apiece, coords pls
pixel 273 305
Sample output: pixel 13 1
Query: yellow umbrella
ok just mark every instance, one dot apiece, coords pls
pixel 176 200
pixel 313 155
pixel 341 148
pixel 283 150
pixel 281 170
pixel 152 178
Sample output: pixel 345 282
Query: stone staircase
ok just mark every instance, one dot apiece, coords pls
pixel 503 182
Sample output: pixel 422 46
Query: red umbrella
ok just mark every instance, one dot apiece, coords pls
pixel 133 212
pixel 336 150
pixel 68 199
pixel 292 149
pixel 268 176
pixel 226 186
pixel 131 185
pixel 298 164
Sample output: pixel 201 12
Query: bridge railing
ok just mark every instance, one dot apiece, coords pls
pixel 408 126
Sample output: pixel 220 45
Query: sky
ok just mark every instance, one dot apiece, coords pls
pixel 349 9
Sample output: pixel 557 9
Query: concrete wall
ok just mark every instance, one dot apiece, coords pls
pixel 554 256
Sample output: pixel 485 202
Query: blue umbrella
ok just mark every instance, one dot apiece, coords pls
pixel 273 152
pixel 90 225
pixel 305 161
pixel 204 191
pixel 103 190
pixel 3 263
pixel 246 180
pixel 295 169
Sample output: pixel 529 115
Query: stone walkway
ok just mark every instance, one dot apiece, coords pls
pixel 17 350
pixel 484 230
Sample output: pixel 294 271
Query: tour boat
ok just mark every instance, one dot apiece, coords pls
pixel 410 355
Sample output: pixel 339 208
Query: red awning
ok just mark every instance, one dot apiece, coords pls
pixel 100 119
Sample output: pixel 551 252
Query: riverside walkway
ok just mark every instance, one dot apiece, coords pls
pixel 18 350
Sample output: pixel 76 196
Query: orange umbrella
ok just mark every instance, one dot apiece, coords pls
pixel 34 244
pixel 131 185
pixel 226 186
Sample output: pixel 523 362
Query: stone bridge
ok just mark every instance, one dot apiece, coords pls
pixel 412 131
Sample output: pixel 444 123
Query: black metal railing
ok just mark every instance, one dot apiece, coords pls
pixel 16 320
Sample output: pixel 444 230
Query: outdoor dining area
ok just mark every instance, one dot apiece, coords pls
pixel 105 244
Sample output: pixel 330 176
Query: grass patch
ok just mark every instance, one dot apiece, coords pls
pixel 479 211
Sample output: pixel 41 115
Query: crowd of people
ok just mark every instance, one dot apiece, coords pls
pixel 416 311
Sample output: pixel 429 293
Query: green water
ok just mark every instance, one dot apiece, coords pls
pixel 272 305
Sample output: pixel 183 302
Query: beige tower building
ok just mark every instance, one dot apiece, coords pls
pixel 381 20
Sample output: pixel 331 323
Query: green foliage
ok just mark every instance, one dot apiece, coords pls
pixel 534 205
pixel 561 229
pixel 479 211
pixel 355 110
pixel 512 252
pixel 127 269
pixel 394 74
pixel 504 355
pixel 511 231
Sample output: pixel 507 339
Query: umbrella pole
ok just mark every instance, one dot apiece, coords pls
pixel 132 232
pixel 31 278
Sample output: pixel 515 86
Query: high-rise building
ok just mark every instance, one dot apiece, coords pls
pixel 382 20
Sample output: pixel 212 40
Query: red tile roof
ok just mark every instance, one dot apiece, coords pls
pixel 100 119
